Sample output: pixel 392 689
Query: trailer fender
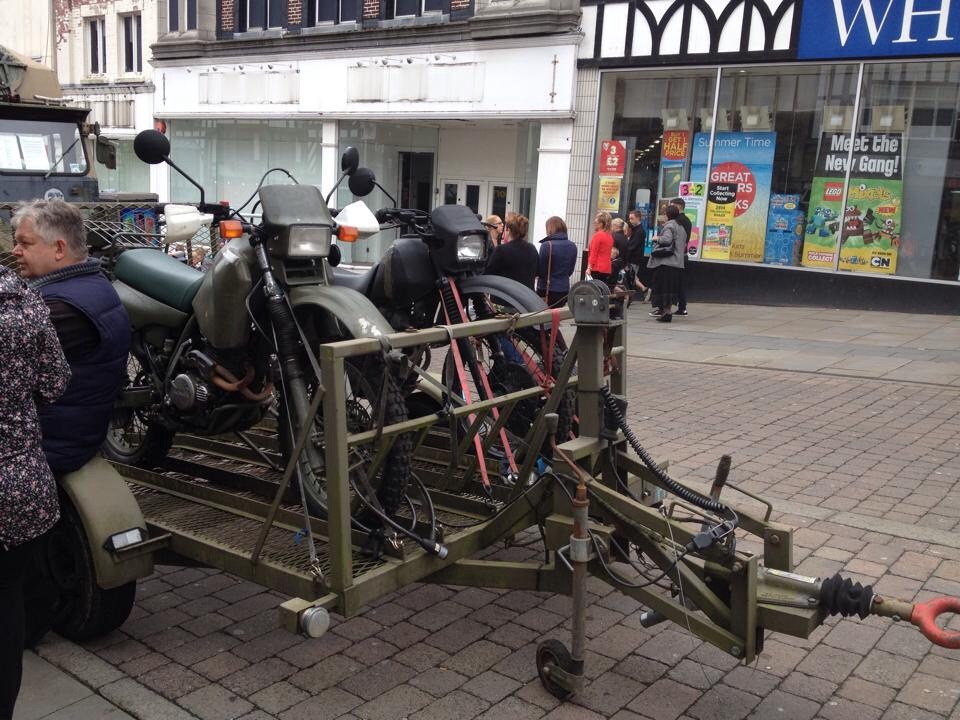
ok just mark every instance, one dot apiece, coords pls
pixel 354 311
pixel 106 507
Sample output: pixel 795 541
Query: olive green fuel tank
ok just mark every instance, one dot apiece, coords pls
pixel 219 303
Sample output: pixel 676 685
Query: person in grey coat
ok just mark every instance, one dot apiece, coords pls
pixel 666 264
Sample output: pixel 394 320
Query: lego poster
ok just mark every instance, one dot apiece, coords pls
pixel 745 160
pixel 785 224
pixel 694 196
pixel 869 228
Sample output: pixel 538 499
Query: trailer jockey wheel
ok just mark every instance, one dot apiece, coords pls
pixel 552 655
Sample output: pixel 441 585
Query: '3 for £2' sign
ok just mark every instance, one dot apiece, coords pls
pixel 613 157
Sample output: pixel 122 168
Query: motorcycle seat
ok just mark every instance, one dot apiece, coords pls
pixel 159 276
pixel 359 280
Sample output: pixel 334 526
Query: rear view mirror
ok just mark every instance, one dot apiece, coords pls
pixel 152 147
pixel 362 182
pixel 106 153
pixel 350 161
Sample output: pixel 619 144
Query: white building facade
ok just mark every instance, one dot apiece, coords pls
pixel 470 105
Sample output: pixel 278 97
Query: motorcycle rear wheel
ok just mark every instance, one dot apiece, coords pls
pixel 131 438
pixel 366 382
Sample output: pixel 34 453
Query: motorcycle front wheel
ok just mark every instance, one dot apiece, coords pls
pixel 368 385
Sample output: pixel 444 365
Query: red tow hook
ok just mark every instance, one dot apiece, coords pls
pixel 925 615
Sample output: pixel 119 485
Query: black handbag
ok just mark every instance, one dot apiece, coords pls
pixel 662 251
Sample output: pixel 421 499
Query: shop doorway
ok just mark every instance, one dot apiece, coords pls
pixel 416 180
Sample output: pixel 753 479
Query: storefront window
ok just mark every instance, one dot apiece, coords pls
pixel 832 167
pixel 766 186
pixel 903 201
pixel 130 175
pixel 403 158
pixel 228 157
pixel 648 122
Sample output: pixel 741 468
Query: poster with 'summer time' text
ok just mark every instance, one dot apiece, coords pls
pixel 744 161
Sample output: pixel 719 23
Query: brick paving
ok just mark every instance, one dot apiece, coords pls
pixel 864 467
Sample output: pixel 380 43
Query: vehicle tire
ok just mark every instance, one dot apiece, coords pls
pixel 367 380
pixel 550 654
pixel 62 586
pixel 131 438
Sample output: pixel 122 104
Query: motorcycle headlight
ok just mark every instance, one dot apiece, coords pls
pixel 308 241
pixel 471 248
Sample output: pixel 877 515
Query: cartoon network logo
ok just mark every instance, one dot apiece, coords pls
pixel 870 28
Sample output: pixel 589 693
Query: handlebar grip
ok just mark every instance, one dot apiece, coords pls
pixel 925 617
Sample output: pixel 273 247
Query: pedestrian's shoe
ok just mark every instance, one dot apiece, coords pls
pixel 646 294
pixel 656 312
pixel 665 318
pixel 681 312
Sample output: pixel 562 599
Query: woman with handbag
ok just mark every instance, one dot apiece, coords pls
pixel 666 264
pixel 558 259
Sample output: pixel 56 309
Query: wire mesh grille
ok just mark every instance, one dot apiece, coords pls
pixel 110 225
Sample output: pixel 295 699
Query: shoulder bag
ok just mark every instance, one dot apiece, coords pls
pixel 662 251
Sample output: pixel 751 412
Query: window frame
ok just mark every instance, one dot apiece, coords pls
pixel 313 13
pixel 269 7
pixel 96 48
pixel 132 49
pixel 182 15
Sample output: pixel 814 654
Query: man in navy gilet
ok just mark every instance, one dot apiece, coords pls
pixel 94 330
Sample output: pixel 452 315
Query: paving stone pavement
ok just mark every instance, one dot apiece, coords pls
pixel 861 459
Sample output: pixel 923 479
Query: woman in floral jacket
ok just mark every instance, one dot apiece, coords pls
pixel 32 369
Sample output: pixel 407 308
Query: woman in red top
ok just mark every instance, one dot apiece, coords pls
pixel 600 249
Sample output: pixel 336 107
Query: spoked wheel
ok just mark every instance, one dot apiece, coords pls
pixel 553 655
pixel 131 437
pixel 369 388
pixel 517 362
pixel 62 586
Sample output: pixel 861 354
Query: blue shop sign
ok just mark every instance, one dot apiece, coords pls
pixel 878 28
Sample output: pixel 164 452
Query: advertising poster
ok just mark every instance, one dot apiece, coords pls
pixel 694 196
pixel 785 223
pixel 718 224
pixel 869 227
pixel 609 200
pixel 613 158
pixel 744 160
pixel 673 158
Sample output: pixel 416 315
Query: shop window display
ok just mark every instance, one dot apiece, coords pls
pixel 228 157
pixel 832 167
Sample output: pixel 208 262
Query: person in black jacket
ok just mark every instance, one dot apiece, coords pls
pixel 634 254
pixel 515 257
pixel 685 223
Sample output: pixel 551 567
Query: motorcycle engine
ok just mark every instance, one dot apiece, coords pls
pixel 189 393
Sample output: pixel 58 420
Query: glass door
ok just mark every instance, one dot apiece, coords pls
pixel 501 198
pixel 471 193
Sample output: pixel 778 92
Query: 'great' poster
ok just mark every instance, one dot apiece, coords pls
pixel 870 224
pixel 738 192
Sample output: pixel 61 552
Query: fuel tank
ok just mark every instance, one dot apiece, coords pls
pixel 219 303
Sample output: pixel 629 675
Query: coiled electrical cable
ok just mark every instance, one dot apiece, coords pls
pixel 433 547
pixel 691 496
